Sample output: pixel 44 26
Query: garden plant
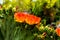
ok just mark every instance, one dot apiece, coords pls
pixel 30 20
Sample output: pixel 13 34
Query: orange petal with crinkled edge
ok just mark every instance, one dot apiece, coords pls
pixel 19 17
pixel 31 19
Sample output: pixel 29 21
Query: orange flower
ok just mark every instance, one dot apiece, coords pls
pixel 31 19
pixel 58 31
pixel 25 17
pixel 19 17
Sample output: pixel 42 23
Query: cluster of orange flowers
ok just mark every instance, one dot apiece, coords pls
pixel 26 17
pixel 30 19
